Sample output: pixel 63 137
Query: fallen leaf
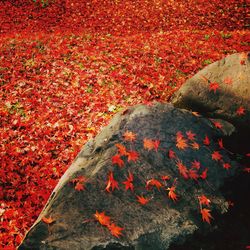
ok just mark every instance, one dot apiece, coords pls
pixel 142 200
pixel 203 200
pixel 216 156
pixel 213 86
pixel 171 193
pixel 132 156
pixel 153 182
pixel 190 135
pixel 129 136
pixel 48 220
pixel 171 154
pixel 102 218
pixel 182 169
pixel 115 230
pixel 111 183
pixel 226 165
pixel 206 141
pixel 204 174
pixel 121 148
pixel 206 216
pixel 241 111
pixel 116 159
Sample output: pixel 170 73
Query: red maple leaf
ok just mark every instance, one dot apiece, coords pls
pixel 190 135
pixel 111 183
pixel 153 182
pixel 193 174
pixel 115 230
pixel 129 136
pixel 241 111
pixel 79 186
pixel 171 193
pixel 203 200
pixel 102 218
pixel 165 177
pixel 226 165
pixel 204 174
pixel 216 156
pixel 129 182
pixel 220 142
pixel 132 156
pixel 217 124
pixel 156 144
pixel 196 164
pixel 182 169
pixel 213 86
pixel 122 149
pixel 116 159
pixel 142 200
pixel 206 141
pixel 206 216
pixel 171 154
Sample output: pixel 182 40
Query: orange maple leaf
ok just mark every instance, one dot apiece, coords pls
pixel 102 218
pixel 206 216
pixel 171 193
pixel 181 143
pixel 203 200
pixel 148 144
pixel 153 182
pixel 129 136
pixel 122 149
pixel 116 159
pixel 115 230
pixel 132 156
pixel 111 183
pixel 228 80
pixel 195 145
pixel 48 220
pixel 182 169
pixel 216 156
pixel 142 200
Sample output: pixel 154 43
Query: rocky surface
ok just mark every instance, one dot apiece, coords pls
pixel 163 141
pixel 220 90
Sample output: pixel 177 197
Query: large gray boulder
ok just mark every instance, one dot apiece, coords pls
pixel 220 90
pixel 169 149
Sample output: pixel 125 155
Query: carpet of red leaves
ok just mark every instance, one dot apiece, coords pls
pixel 67 66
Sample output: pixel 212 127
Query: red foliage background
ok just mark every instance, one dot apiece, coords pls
pixel 67 66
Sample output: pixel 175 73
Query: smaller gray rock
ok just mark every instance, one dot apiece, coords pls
pixel 230 101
